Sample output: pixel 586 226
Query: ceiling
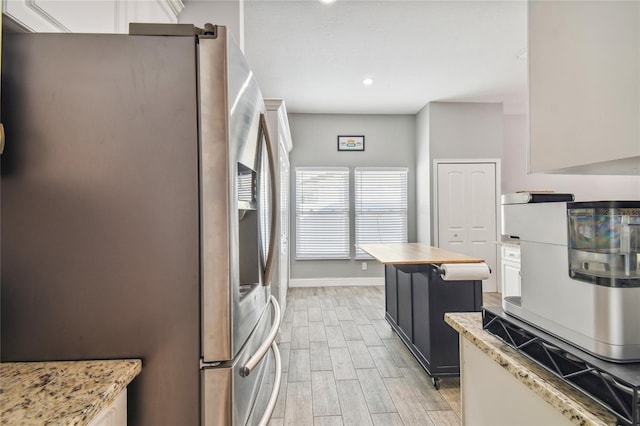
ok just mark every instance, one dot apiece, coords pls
pixel 315 56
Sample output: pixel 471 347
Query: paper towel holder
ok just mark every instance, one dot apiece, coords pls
pixel 440 271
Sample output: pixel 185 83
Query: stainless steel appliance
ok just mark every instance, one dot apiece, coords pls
pixel 138 216
pixel 580 273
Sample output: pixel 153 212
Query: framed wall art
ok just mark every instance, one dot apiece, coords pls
pixel 350 143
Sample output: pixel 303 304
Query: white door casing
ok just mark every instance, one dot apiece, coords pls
pixel 466 210
pixel 284 222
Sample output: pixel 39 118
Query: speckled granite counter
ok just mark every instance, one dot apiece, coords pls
pixel 61 393
pixel 578 408
pixel 513 242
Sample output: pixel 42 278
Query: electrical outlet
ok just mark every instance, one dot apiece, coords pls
pixel 364 266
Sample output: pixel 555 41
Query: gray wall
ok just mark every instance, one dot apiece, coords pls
pixel 423 177
pixel 389 142
pixel 452 130
pixel 465 130
pixel 584 187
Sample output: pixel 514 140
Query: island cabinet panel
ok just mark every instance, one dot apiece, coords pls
pixel 405 318
pixel 421 315
pixel 391 292
pixel 416 312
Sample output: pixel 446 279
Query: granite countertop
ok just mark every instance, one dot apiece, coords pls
pixel 61 392
pixel 415 254
pixel 577 407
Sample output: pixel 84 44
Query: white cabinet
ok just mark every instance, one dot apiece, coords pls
pixel 584 87
pixel 113 415
pixel 510 261
pixel 107 16
pixel 491 396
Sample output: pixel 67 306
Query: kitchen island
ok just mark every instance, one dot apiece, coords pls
pixel 417 297
pixel 499 386
pixel 63 392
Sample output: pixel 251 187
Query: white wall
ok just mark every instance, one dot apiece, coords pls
pixel 452 130
pixel 423 177
pixel 465 130
pixel 584 187
pixel 389 142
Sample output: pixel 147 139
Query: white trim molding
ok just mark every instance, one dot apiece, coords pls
pixel 335 282
pixel 32 16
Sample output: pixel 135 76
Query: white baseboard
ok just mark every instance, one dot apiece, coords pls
pixel 335 282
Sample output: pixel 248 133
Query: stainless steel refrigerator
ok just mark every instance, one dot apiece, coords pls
pixel 138 215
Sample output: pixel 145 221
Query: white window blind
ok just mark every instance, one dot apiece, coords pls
pixel 322 213
pixel 381 206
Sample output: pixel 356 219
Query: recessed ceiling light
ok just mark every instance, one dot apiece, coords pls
pixel 327 1
pixel 367 81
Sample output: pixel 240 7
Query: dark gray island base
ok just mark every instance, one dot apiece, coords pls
pixel 416 300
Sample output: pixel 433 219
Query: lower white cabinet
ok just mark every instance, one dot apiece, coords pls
pixel 113 415
pixel 107 16
pixel 491 396
pixel 510 261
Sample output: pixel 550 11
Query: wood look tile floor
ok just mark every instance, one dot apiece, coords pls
pixel 343 365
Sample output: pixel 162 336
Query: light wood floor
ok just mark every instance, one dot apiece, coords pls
pixel 343 365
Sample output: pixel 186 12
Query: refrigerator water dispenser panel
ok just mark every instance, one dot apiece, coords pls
pixel 246 188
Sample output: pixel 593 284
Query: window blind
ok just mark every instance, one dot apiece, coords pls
pixel 322 213
pixel 380 206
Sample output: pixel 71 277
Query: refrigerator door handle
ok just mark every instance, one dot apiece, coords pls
pixel 262 350
pixel 275 207
pixel 271 405
pixel 1 138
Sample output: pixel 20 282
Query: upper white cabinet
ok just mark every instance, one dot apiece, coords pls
pixel 584 87
pixel 105 16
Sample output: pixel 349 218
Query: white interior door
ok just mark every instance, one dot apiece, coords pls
pixel 467 219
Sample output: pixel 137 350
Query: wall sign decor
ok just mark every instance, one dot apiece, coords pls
pixel 350 143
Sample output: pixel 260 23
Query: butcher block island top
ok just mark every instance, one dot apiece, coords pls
pixel 415 254
pixel 61 392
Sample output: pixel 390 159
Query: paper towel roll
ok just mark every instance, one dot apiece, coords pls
pixel 465 271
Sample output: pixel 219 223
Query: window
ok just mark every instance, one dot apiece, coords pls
pixel 381 206
pixel 322 213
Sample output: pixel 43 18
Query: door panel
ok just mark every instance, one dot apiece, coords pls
pixel 467 219
pixel 229 396
pixel 232 213
pixel 453 224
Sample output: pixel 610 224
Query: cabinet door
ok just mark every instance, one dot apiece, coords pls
pixel 510 278
pixel 113 415
pixel 449 296
pixel 391 292
pixel 584 86
pixel 405 298
pixel 421 314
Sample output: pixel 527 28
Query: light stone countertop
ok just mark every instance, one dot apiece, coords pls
pixel 61 392
pixel 577 407
pixel 509 241
pixel 415 254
